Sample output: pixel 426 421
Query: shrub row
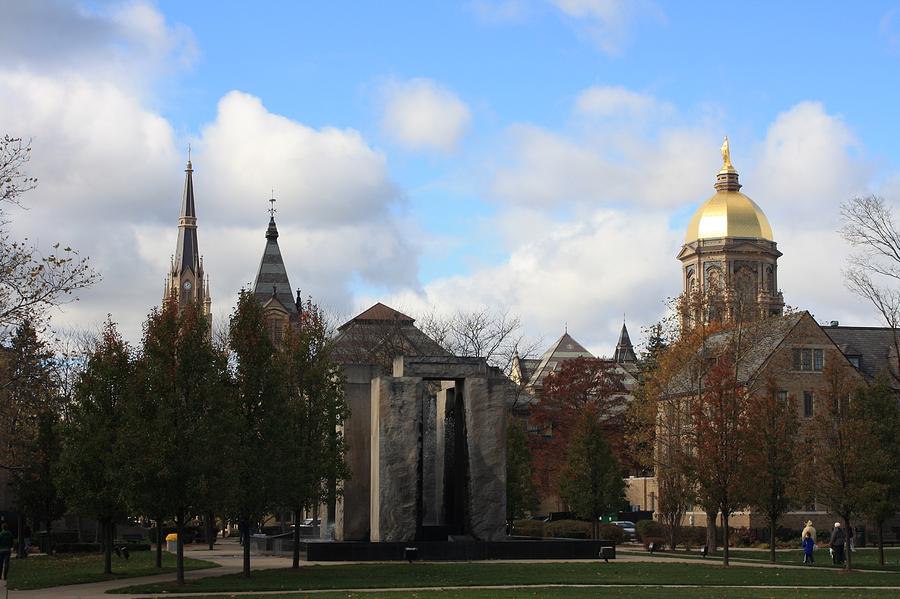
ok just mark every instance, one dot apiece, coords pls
pixel 566 529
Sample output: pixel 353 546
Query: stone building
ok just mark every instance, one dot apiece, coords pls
pixel 272 287
pixel 729 257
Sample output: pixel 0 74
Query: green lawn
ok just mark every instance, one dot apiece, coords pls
pixel 863 559
pixel 43 571
pixel 585 593
pixel 382 575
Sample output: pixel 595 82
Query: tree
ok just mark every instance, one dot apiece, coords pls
pixel 592 483
pixel 31 283
pixel 520 493
pixel 254 419
pixel 772 455
pixel 874 271
pixel 719 427
pixel 841 457
pixel 877 405
pixel 180 392
pixel 313 385
pixel 91 465
pixel 481 333
pixel 580 385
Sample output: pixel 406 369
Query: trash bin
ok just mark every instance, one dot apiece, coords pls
pixel 172 542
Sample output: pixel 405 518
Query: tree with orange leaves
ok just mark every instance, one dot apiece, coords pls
pixel 579 387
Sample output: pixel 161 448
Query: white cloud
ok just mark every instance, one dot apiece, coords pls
pixel 608 23
pixel 615 102
pixel 420 114
pixel 110 175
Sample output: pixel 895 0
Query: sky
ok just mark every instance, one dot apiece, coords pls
pixel 536 157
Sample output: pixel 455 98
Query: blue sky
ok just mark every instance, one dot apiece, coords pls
pixel 536 156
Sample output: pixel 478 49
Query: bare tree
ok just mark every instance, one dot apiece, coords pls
pixel 493 335
pixel 30 282
pixel 874 269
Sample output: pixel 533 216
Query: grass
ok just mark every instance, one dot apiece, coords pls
pixel 586 593
pixel 43 571
pixel 863 559
pixel 399 575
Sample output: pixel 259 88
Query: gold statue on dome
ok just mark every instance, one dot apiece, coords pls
pixel 726 155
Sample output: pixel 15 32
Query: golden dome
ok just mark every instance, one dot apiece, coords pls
pixel 729 213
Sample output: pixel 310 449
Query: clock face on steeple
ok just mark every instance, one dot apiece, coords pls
pixel 186 285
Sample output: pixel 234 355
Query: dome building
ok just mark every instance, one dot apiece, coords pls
pixel 729 258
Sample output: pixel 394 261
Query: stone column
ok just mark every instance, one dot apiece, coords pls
pixel 396 417
pixel 352 510
pixel 485 413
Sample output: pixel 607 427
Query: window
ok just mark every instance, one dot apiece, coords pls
pixel 809 359
pixel 854 360
pixel 807 404
pixel 783 395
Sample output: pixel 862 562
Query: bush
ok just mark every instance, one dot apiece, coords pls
pixel 611 532
pixel 649 528
pixel 692 536
pixel 568 529
pixel 528 528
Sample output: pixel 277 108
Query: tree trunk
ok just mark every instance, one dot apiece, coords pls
pixel 881 543
pixel 211 530
pixel 772 540
pixel 159 541
pixel 245 533
pixel 725 538
pixel 848 564
pixel 711 532
pixel 106 527
pixel 179 553
pixel 20 546
pixel 673 537
pixel 296 556
pixel 49 536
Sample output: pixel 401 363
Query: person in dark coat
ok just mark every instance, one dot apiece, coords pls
pixel 837 544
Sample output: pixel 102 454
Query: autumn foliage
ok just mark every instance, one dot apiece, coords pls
pixel 580 387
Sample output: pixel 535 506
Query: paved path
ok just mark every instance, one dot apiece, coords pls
pixel 230 558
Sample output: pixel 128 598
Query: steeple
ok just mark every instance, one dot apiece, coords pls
pixel 272 283
pixel 624 349
pixel 186 279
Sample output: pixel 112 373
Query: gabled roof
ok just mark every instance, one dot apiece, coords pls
pixel 874 346
pixel 272 279
pixel 380 334
pixel 565 348
pixel 379 312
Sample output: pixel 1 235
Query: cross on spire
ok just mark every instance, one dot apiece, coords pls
pixel 272 209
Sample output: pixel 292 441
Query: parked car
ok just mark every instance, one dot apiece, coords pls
pixel 628 527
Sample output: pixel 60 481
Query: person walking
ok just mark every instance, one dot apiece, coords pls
pixel 6 544
pixel 809 544
pixel 837 544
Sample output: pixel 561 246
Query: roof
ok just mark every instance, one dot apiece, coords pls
pixel 767 335
pixel 272 279
pixel 624 349
pixel 187 255
pixel 380 334
pixel 874 346
pixel 379 312
pixel 565 348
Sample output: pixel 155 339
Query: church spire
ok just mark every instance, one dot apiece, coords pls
pixel 272 281
pixel 186 253
pixel 624 349
pixel 186 280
